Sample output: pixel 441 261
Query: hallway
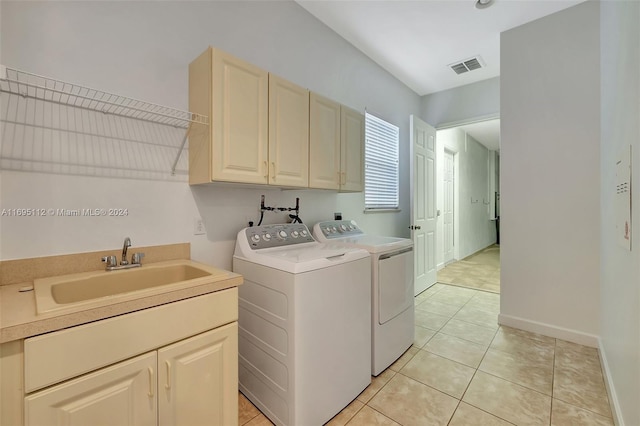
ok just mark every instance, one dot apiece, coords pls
pixel 481 271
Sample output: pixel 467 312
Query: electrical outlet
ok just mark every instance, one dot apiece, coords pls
pixel 198 227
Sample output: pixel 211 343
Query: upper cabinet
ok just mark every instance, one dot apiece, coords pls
pixel 324 143
pixel 267 130
pixel 234 93
pixel 259 132
pixel 351 150
pixel 288 133
pixel 336 146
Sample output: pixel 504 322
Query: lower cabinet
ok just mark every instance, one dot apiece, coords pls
pixel 123 394
pixel 198 379
pixel 190 382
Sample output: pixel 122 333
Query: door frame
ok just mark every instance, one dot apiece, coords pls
pixel 439 196
pixel 456 200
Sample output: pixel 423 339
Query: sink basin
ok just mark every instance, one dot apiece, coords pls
pixel 99 288
pixel 123 281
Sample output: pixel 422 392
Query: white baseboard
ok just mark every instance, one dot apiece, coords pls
pixel 574 336
pixel 616 412
pixel 440 266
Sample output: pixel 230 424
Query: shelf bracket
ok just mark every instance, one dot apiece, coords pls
pixel 184 141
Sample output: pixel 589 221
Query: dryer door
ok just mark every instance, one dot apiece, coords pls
pixel 395 283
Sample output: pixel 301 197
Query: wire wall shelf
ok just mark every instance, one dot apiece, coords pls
pixel 63 94
pixel 48 89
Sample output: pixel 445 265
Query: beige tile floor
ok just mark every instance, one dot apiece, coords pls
pixel 464 369
pixel 480 270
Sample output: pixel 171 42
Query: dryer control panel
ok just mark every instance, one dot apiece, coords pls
pixel 267 236
pixel 339 228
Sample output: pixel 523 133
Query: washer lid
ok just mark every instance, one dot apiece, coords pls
pixel 303 257
pixel 375 243
pixel 348 233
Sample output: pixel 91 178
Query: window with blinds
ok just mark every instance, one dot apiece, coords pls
pixel 381 175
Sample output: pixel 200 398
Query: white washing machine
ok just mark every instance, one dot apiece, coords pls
pixel 304 323
pixel 392 310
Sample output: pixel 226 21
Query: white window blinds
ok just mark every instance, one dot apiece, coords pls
pixel 381 174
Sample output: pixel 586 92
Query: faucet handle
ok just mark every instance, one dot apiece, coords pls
pixel 111 261
pixel 136 258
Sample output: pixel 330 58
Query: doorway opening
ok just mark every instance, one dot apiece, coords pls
pixel 468 158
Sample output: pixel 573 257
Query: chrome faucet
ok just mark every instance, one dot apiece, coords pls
pixel 127 244
pixel 112 261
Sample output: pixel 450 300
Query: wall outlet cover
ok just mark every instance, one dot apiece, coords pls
pixel 198 227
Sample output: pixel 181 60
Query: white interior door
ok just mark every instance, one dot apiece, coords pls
pixel 423 202
pixel 447 214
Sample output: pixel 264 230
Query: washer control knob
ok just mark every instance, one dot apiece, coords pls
pixel 334 229
pixel 295 234
pixel 303 233
pixel 255 238
pixel 282 234
pixel 266 237
pixel 343 227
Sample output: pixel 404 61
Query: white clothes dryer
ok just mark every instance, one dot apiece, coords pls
pixel 392 310
pixel 304 323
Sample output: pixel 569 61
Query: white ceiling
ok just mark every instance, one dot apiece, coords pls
pixel 417 40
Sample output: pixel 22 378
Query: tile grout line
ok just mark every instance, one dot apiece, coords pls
pixel 517 383
pixel 475 369
pixel 456 409
pixel 259 412
pixel 553 379
pixel 379 412
pixel 354 414
pixel 610 416
pixel 474 375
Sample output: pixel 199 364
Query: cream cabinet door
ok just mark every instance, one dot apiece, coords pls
pixel 324 143
pixel 234 94
pixel 198 379
pixel 288 133
pixel 123 394
pixel 352 151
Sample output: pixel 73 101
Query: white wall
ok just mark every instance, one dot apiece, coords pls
pixel 550 168
pixel 460 104
pixel 473 228
pixel 142 50
pixel 620 273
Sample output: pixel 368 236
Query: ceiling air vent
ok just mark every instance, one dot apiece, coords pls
pixel 467 65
